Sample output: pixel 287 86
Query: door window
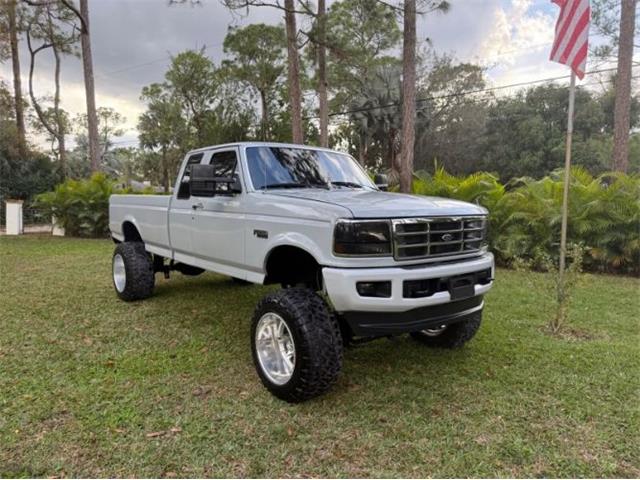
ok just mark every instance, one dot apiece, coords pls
pixel 225 164
pixel 184 191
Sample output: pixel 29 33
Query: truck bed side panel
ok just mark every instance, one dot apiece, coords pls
pixel 148 213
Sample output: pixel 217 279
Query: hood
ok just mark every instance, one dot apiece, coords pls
pixel 377 204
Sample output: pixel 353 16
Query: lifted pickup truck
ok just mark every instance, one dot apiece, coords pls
pixel 355 262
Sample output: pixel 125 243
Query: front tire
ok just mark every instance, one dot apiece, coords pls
pixel 451 336
pixel 296 344
pixel 132 268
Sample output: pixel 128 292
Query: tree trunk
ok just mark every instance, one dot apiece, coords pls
pixel 623 87
pixel 89 87
pixel 323 101
pixel 60 126
pixel 17 82
pixel 53 132
pixel 264 127
pixel 295 94
pixel 408 136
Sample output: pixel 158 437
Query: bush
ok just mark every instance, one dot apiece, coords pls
pixel 23 177
pixel 81 207
pixel 525 215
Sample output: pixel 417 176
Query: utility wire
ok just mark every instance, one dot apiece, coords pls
pixel 462 94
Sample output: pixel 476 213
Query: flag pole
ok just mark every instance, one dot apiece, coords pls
pixel 565 193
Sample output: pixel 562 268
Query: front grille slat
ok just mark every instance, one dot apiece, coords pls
pixel 409 234
pixel 436 237
pixel 411 245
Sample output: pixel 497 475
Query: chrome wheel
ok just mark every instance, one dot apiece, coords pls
pixel 119 273
pixel 275 348
pixel 434 332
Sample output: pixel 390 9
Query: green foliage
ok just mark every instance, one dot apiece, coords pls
pixel 20 177
pixel 81 207
pixel 525 134
pixel 110 126
pixel 525 215
pixel 258 59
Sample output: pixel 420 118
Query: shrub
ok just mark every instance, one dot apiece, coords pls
pixel 81 206
pixel 525 215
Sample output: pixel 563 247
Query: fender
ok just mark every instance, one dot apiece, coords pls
pixel 293 239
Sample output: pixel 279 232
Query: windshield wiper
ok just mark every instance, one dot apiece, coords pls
pixel 294 185
pixel 283 185
pixel 347 184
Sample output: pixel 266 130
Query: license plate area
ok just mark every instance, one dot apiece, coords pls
pixel 461 287
pixel 426 287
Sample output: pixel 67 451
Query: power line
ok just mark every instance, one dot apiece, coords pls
pixel 151 62
pixel 461 94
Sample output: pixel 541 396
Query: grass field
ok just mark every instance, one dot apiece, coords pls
pixel 91 386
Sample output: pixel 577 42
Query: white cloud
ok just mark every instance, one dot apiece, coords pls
pixel 517 48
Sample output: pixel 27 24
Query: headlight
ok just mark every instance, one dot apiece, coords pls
pixel 362 238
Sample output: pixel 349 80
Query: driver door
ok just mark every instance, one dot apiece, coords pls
pixel 218 234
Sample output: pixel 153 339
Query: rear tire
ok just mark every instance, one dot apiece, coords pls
pixel 132 267
pixel 452 336
pixel 309 343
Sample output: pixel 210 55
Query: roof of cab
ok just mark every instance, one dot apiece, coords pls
pixel 258 144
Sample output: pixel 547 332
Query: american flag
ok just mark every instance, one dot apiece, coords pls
pixel 572 35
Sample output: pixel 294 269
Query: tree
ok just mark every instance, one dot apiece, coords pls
pixel 450 125
pixel 409 86
pixel 623 86
pixel 605 23
pixel 45 26
pixel 110 126
pixel 408 134
pixel 22 176
pixel 82 15
pixel 161 129
pixel 362 36
pixel 293 57
pixel 89 84
pixel 525 133
pixel 295 92
pixel 12 29
pixel 196 105
pixel 257 58
pixel 323 100
pixel 372 134
pixel 193 81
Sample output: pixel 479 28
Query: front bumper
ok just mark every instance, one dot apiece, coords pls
pixel 396 314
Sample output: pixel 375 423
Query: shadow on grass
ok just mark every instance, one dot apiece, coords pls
pixel 381 360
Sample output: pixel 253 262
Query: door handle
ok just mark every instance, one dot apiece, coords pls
pixel 197 206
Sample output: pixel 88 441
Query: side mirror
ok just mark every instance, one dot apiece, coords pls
pixel 381 181
pixel 228 185
pixel 203 183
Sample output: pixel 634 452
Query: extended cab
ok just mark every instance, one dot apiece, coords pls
pixel 355 262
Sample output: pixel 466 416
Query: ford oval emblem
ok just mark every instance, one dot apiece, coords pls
pixel 447 237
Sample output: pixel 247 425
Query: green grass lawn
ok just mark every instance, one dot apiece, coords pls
pixel 92 386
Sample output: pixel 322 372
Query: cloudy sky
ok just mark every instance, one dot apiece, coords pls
pixel 132 41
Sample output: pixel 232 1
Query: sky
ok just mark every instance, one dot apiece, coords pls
pixel 132 41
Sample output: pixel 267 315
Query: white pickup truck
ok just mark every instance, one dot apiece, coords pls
pixel 355 262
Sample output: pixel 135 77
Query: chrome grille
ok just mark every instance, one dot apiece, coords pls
pixel 434 237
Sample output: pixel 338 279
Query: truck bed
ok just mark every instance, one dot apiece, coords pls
pixel 149 214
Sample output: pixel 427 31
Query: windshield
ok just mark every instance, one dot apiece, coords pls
pixel 284 167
